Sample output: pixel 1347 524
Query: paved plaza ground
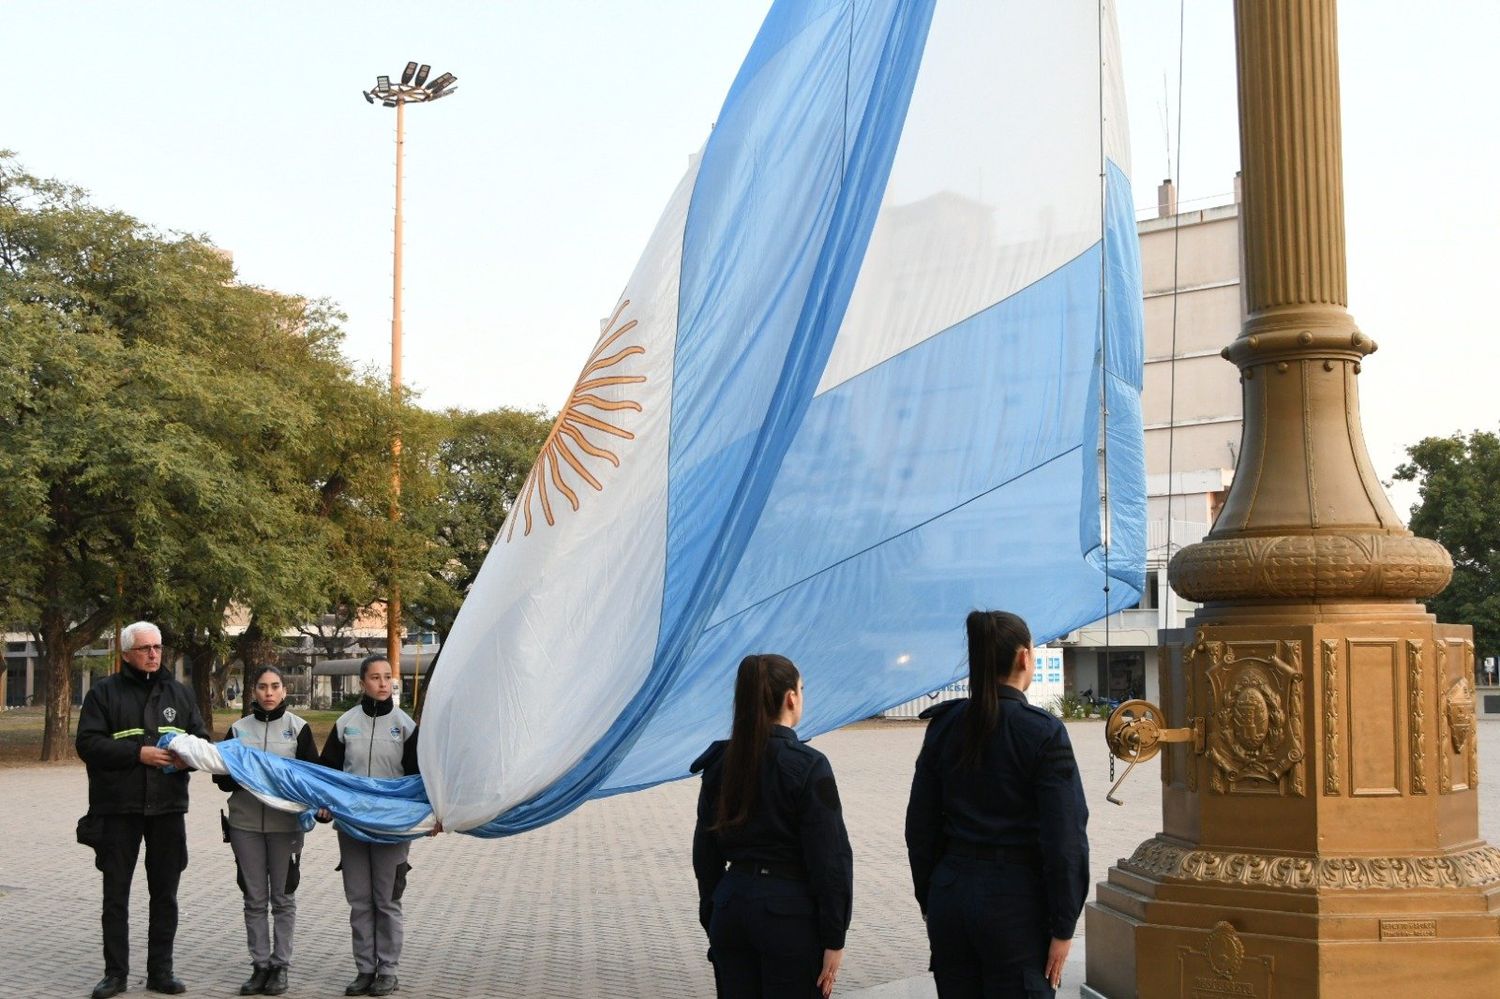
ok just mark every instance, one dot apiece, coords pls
pixel 599 904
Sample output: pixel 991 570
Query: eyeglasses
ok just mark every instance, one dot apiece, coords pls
pixel 146 648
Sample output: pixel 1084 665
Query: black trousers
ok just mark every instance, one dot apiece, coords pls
pixel 764 939
pixel 166 856
pixel 987 925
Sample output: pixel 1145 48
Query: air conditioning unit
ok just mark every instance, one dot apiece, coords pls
pixel 1071 638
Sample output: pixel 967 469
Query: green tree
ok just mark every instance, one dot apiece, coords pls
pixel 174 444
pixel 1456 479
pixel 481 462
pixel 254 421
pixel 69 428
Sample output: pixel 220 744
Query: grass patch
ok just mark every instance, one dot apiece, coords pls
pixel 21 735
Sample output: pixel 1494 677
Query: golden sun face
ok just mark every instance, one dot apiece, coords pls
pixel 579 426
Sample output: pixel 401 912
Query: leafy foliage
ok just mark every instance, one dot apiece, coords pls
pixel 180 446
pixel 481 462
pixel 1457 479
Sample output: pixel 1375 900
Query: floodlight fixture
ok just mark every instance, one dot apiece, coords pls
pixel 412 87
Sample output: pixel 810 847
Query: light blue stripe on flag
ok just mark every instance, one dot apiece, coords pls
pixel 786 195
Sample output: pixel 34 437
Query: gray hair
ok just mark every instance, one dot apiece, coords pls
pixel 130 632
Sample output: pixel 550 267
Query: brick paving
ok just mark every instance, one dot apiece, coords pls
pixel 599 904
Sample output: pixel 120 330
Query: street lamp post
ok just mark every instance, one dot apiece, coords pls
pixel 414 88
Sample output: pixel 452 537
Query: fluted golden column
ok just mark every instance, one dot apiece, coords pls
pixel 1306 518
pixel 1321 837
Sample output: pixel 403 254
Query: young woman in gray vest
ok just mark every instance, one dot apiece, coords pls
pixel 267 842
pixel 375 738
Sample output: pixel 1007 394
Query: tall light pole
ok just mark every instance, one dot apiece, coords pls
pixel 414 88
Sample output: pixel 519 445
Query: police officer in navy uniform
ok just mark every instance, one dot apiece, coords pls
pixel 131 800
pixel 996 829
pixel 772 858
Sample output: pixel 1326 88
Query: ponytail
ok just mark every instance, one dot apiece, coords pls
pixel 994 639
pixel 760 689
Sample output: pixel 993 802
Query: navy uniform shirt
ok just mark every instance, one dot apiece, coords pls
pixel 1025 795
pixel 797 824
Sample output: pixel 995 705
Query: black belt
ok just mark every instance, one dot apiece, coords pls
pixel 1009 854
pixel 762 869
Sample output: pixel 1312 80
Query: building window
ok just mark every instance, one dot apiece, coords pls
pixel 1148 596
pixel 1127 675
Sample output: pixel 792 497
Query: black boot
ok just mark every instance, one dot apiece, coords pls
pixel 275 981
pixel 384 985
pixel 109 986
pixel 166 983
pixel 256 981
pixel 361 984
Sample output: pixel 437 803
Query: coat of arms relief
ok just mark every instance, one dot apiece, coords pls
pixel 1255 742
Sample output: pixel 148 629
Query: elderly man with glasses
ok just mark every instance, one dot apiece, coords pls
pixel 131 799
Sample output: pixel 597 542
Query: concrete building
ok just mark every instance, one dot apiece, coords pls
pixel 1190 278
pixel 23 680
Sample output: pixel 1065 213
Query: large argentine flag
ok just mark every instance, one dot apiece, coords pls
pixel 852 391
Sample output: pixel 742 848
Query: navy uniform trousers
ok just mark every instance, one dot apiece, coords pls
pixel 987 924
pixel 764 938
pixel 165 837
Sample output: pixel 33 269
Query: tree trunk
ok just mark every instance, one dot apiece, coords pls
pixel 201 657
pixel 427 674
pixel 252 648
pixel 59 644
pixel 56 743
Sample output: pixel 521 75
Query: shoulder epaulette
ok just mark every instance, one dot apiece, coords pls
pixel 942 707
pixel 709 756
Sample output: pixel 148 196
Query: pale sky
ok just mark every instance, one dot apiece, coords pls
pixel 530 192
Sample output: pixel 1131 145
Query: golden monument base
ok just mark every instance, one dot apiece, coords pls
pixel 1344 749
pixel 1162 937
pixel 1320 825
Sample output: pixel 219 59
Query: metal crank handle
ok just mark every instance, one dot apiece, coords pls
pixel 1110 797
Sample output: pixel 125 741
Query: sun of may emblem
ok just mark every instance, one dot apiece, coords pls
pixel 583 425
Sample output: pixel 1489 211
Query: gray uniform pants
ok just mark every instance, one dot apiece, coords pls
pixel 265 860
pixel 371 872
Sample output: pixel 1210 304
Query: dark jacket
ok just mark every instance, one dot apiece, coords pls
pixel 123 712
pixel 797 824
pixel 1025 796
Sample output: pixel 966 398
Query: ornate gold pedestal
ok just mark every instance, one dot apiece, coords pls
pixel 1320 819
pixel 1329 828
